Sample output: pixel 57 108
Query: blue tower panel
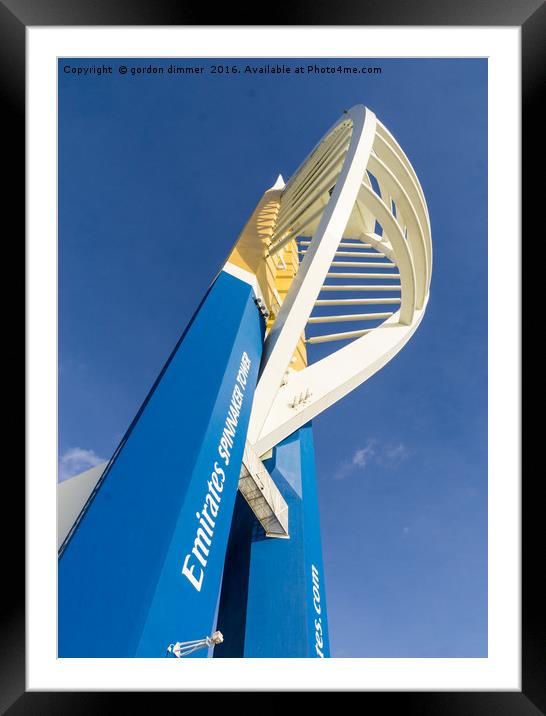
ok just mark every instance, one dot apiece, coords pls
pixel 232 610
pixel 144 565
pixel 273 601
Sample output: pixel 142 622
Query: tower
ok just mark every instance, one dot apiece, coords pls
pixel 209 502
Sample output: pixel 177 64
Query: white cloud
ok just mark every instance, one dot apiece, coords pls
pixel 393 455
pixel 389 455
pixel 363 456
pixel 359 460
pixel 76 460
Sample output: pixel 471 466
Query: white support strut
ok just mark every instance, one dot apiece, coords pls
pixel 298 304
pixel 354 202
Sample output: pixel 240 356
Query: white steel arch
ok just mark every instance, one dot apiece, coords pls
pixel 358 204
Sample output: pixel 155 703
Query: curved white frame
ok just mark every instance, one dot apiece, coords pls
pixel 283 403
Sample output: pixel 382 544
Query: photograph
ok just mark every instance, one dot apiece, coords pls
pixel 272 309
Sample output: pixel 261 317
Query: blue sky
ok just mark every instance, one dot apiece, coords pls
pixel 157 176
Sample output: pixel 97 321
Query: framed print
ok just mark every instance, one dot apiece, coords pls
pixel 149 149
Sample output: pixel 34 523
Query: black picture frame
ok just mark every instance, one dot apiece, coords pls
pixel 530 15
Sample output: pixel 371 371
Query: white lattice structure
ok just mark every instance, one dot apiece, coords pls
pixel 354 203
